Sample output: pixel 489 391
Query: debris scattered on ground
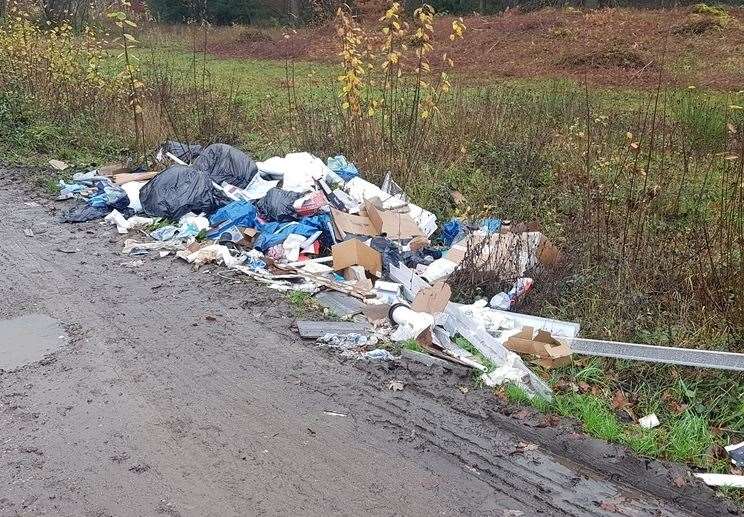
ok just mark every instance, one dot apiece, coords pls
pixel 28 232
pixel 58 165
pixel 316 329
pixel 649 421
pixel 334 413
pixel 133 263
pixel 395 385
pixel 723 480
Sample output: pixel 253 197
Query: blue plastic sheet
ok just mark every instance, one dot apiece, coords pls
pixel 343 168
pixel 275 233
pixel 238 213
pixel 450 231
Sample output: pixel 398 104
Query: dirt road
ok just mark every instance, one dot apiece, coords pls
pixel 151 408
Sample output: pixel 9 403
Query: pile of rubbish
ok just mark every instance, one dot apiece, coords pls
pixel 297 223
pixel 368 254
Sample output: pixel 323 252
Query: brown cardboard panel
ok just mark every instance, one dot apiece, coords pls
pixel 355 253
pixel 432 300
pixel 396 226
pixel 353 224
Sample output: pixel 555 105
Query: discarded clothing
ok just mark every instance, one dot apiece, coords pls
pixel 176 191
pixel 343 168
pixel 226 164
pixel 310 204
pixel 277 205
pixel 452 231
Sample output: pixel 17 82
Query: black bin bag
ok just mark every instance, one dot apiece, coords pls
pixel 225 163
pixel 176 191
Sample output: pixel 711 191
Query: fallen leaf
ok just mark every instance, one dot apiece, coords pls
pixel 523 447
pixel 464 389
pixel 395 385
pixel 457 197
pixel 521 415
pixel 679 481
pixel 619 400
pixel 552 420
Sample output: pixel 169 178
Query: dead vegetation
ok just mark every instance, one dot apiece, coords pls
pixel 564 43
pixel 606 58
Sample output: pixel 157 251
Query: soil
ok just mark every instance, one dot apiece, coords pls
pixel 187 393
pixel 629 48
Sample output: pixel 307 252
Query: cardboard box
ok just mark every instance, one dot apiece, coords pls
pixel 374 221
pixel 355 253
pixel 249 236
pixel 550 352
pixel 432 300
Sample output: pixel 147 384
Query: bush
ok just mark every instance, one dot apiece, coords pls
pixel 219 12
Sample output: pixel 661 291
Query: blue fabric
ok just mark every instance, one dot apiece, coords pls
pixel 275 233
pixel 239 213
pixel 343 168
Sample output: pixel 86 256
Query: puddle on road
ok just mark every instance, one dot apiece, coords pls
pixel 27 339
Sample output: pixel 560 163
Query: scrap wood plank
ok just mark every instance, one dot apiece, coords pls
pixel 316 329
pixel 351 290
pixel 126 177
pixel 657 354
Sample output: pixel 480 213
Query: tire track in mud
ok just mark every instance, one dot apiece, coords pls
pixel 175 414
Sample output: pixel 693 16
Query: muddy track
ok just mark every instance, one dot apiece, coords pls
pixel 153 409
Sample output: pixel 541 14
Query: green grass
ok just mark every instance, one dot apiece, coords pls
pixel 412 345
pixel 684 438
pixel 300 300
pixel 689 438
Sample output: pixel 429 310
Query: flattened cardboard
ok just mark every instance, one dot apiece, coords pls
pixel 113 169
pixel 354 252
pixel 432 300
pixel 353 224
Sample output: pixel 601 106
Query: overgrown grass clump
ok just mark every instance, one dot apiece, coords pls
pixel 685 438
